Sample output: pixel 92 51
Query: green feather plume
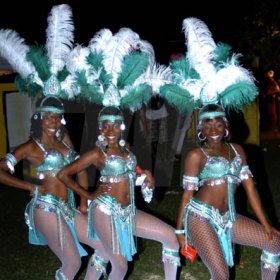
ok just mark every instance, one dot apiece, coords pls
pixel 95 60
pixel 182 71
pixel 39 59
pixel 62 74
pixel 178 97
pixel 136 97
pixel 222 53
pixel 238 95
pixel 134 65
pixel 27 86
pixel 92 93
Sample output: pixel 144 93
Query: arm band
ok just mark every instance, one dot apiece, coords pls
pixel 11 161
pixel 190 183
pixel 245 173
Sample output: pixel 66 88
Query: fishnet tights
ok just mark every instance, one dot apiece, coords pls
pixel 244 232
pixel 47 224
pixel 81 230
pixel 147 226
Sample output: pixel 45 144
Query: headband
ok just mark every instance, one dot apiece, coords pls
pixel 211 115
pixel 48 108
pixel 111 118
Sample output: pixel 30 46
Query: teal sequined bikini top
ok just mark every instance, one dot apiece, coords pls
pixel 117 168
pixel 53 161
pixel 217 169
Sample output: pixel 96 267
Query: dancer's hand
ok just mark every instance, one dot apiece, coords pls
pixel 271 231
pixel 102 189
pixel 149 180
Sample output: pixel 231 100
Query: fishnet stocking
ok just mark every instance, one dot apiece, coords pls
pixel 250 233
pixel 147 226
pixel 244 232
pixel 47 224
pixel 81 229
pixel 102 227
pixel 205 241
pixel 150 227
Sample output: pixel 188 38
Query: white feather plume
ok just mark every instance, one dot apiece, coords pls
pixel 59 36
pixel 70 87
pixel 201 47
pixel 120 45
pixel 155 76
pixel 100 40
pixel 77 59
pixel 14 50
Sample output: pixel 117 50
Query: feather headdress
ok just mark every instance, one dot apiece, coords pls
pixel 116 69
pixel 42 69
pixel 209 73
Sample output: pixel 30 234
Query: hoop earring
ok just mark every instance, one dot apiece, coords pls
pixel 122 127
pixel 63 121
pixel 101 141
pixel 199 136
pixel 226 133
pixel 121 142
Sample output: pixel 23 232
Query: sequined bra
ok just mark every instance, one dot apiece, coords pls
pixel 54 161
pixel 217 169
pixel 117 168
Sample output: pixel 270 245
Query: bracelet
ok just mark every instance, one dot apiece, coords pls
pixel 179 231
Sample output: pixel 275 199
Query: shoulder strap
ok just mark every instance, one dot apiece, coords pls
pixel 233 148
pixel 41 146
pixel 66 145
pixel 204 152
pixel 102 150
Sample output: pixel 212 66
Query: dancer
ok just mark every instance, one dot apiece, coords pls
pixel 113 218
pixel 207 213
pixel 115 71
pixel 214 81
pixel 51 215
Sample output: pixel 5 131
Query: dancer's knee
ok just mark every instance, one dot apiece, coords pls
pixel 119 268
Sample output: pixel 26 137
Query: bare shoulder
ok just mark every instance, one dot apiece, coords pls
pixel 238 148
pixel 192 162
pixel 194 156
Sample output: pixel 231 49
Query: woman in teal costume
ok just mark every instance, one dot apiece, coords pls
pixel 207 214
pixel 51 215
pixel 113 218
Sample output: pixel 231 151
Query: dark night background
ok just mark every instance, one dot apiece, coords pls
pixel 160 24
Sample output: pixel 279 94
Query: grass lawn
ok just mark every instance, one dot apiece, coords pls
pixel 19 260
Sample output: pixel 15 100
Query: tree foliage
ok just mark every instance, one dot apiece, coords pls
pixel 259 34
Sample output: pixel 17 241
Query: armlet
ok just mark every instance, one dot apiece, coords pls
pixel 11 161
pixel 245 173
pixel 190 183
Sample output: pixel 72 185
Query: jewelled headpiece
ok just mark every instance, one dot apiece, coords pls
pixel 207 74
pixel 42 69
pixel 116 69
